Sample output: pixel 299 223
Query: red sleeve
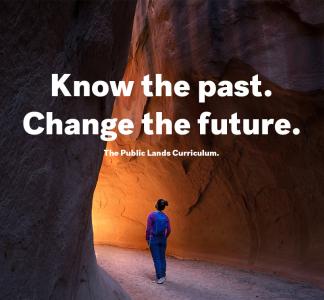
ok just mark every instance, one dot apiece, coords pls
pixel 168 231
pixel 149 227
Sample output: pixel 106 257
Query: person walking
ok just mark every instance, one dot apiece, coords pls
pixel 157 231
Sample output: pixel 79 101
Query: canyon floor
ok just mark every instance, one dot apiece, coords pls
pixel 187 279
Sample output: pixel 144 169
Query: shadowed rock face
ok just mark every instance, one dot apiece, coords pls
pixel 46 249
pixel 259 204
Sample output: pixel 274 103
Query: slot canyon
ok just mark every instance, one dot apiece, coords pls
pixel 258 206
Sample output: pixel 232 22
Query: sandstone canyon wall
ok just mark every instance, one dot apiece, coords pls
pixel 260 204
pixel 47 182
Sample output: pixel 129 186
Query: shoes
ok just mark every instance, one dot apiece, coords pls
pixel 161 280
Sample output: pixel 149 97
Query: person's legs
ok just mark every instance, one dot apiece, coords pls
pixel 162 249
pixel 156 255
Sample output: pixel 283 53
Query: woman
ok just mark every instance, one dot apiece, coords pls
pixel 157 231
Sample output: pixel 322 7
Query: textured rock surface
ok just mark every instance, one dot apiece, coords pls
pixel 46 248
pixel 259 204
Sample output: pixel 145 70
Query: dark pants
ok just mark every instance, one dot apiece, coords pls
pixel 158 247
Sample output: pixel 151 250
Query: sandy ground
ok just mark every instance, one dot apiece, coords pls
pixel 195 280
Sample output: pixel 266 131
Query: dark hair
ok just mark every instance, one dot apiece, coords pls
pixel 161 204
